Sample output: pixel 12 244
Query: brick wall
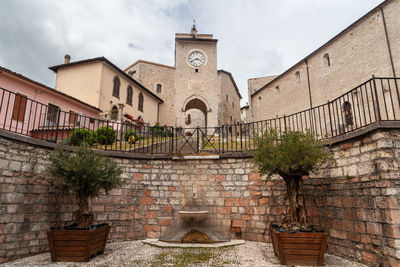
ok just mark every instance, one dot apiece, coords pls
pixel 355 199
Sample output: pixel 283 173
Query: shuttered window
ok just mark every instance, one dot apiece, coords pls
pixel 19 107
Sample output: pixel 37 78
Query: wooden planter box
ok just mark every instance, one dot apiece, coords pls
pixel 77 245
pixel 299 248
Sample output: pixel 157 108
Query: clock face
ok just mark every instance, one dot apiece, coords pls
pixel 197 59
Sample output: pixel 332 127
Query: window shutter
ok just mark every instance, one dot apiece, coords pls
pixel 19 107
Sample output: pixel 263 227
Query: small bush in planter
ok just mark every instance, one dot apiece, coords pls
pixel 83 173
pixel 292 155
pixel 80 136
pixel 105 135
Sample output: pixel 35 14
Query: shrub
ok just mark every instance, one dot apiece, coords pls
pixel 79 136
pixel 105 135
pixel 158 130
pixel 84 174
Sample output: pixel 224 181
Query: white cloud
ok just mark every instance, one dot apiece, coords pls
pixel 256 38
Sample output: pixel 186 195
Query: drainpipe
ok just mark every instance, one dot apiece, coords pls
pixel 309 94
pixel 158 112
pixel 388 43
pixel 308 82
pixel 390 53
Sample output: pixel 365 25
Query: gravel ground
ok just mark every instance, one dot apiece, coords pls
pixel 135 253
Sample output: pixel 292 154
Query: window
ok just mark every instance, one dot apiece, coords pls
pixel 226 98
pixel 114 113
pixel 259 99
pixel 129 94
pixel 158 88
pixel 117 83
pixel 53 113
pixel 132 72
pixel 19 107
pixel 348 115
pixel 140 102
pixel 73 117
pixel 277 89
pixel 297 75
pixel 327 60
pixel 233 104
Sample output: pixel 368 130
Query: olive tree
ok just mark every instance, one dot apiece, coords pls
pixel 83 173
pixel 292 155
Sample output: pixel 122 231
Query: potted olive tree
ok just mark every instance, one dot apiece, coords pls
pixel 84 174
pixel 293 155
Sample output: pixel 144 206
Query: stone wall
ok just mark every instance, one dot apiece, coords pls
pixel 355 199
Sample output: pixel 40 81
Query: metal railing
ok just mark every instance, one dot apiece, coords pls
pixel 375 100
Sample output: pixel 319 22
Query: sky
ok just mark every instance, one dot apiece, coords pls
pixel 256 37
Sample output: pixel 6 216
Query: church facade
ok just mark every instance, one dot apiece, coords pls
pixel 370 46
pixel 195 92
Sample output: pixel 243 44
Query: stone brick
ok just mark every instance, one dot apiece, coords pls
pixel 229 202
pixel 374 228
pixel 151 215
pixel 224 210
pixel 368 257
pixel 138 176
pixel 164 222
pixel 146 201
pixel 338 234
pixel 241 202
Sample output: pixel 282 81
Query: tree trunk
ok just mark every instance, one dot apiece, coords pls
pixel 83 218
pixel 295 192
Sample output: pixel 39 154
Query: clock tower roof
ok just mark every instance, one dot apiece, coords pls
pixel 194 36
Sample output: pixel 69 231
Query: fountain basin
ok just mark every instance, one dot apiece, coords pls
pixel 193 216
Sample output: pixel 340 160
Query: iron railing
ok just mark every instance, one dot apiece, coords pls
pixel 375 100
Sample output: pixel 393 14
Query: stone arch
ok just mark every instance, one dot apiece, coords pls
pixel 197 102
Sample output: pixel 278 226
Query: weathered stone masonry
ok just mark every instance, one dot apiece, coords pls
pixel 356 199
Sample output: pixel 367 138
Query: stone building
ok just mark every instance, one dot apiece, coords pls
pixel 194 91
pixel 102 84
pixel 244 113
pixel 370 46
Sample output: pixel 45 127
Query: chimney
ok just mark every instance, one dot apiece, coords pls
pixel 67 59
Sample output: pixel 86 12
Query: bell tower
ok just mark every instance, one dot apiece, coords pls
pixel 197 90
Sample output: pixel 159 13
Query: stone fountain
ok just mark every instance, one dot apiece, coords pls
pixel 193 226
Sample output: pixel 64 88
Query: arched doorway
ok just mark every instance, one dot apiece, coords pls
pixel 198 104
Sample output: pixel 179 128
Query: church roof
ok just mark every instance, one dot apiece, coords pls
pixel 323 46
pixel 148 62
pixel 233 81
pixel 103 59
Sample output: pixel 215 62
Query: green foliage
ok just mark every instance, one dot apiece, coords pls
pixel 289 154
pixel 106 135
pixel 83 172
pixel 79 136
pixel 158 130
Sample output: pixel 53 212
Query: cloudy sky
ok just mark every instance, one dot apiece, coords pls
pixel 256 37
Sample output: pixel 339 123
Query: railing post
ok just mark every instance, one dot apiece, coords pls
pixel 198 139
pixel 284 121
pixel 377 116
pixel 330 118
pixel 172 139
